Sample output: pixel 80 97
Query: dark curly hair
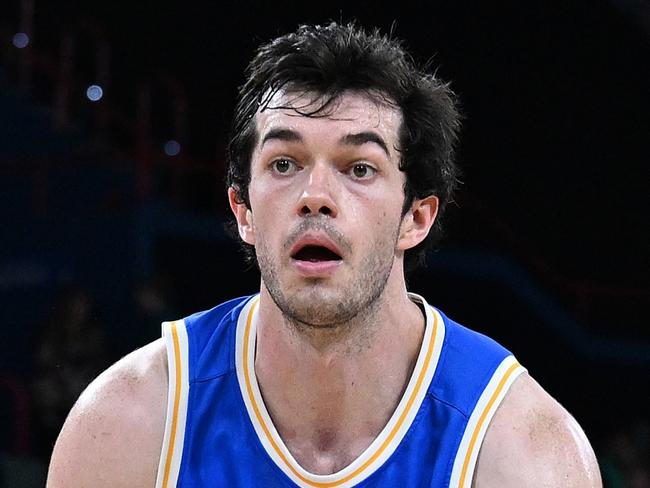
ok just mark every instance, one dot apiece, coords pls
pixel 330 60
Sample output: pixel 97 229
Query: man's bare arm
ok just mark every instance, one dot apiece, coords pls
pixel 113 435
pixel 534 442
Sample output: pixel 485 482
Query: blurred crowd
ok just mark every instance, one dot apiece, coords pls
pixel 625 457
pixel 69 349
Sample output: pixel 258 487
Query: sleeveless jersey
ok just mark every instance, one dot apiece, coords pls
pixel 219 433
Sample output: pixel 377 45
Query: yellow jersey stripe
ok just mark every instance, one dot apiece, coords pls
pixel 380 449
pixel 177 399
pixel 479 424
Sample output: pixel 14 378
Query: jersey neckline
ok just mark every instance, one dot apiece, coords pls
pixel 384 444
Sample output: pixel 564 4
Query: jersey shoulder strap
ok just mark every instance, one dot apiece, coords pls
pixel 474 376
pixel 198 347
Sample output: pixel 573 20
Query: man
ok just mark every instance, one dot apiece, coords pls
pixel 341 164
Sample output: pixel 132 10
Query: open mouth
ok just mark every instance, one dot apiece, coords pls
pixel 314 254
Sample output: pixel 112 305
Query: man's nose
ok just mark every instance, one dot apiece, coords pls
pixel 317 197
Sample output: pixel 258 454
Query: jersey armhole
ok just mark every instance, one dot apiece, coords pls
pixel 465 462
pixel 175 337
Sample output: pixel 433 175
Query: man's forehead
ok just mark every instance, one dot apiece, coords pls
pixel 350 109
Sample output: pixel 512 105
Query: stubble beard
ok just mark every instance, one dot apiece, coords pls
pixel 314 306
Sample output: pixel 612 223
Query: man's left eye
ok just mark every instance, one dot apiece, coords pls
pixel 362 171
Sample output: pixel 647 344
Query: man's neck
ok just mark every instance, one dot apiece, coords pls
pixel 331 391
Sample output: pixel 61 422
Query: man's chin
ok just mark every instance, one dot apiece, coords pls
pixel 317 310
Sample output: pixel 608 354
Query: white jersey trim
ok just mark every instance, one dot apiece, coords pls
pixel 465 462
pixel 175 337
pixel 386 442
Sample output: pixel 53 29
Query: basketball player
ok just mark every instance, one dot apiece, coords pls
pixel 341 164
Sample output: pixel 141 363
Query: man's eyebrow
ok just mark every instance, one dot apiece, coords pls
pixel 360 138
pixel 282 134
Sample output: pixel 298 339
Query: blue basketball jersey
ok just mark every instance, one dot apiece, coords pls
pixel 219 434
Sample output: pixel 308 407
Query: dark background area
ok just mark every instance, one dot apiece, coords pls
pixel 547 243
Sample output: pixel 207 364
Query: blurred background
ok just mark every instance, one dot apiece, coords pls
pixel 114 118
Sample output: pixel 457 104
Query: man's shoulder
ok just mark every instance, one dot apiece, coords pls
pixel 113 434
pixel 533 441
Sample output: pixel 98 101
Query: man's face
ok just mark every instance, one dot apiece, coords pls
pixel 325 198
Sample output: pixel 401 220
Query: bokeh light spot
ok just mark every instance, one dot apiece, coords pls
pixel 20 40
pixel 94 93
pixel 172 148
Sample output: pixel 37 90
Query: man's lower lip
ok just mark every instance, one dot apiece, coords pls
pixel 315 268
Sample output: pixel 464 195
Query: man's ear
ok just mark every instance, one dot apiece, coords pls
pixel 417 222
pixel 244 217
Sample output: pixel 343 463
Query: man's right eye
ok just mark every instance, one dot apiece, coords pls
pixel 283 166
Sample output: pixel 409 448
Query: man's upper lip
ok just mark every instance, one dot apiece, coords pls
pixel 315 239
